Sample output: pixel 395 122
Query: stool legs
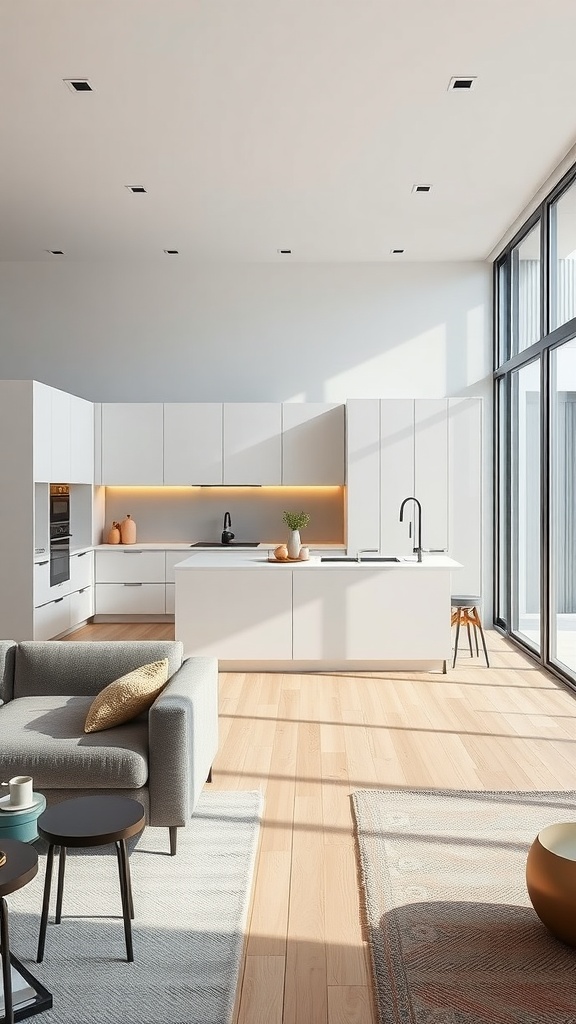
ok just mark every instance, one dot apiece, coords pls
pixel 60 891
pixel 126 894
pixel 469 617
pixel 6 972
pixel 45 904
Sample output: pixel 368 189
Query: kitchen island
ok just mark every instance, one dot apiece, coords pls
pixel 323 615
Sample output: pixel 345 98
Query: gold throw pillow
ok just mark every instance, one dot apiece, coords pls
pixel 127 697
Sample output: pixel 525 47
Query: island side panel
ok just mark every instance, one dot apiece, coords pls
pixel 371 614
pixel 235 614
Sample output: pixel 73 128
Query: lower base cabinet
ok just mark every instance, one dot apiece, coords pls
pixel 52 619
pixel 130 599
pixel 240 614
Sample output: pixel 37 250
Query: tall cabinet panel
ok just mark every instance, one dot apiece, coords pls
pixel 465 506
pixel 42 420
pixel 132 443
pixel 81 441
pixel 431 469
pixel 363 474
pixel 252 443
pixel 193 443
pixel 396 473
pixel 312 443
pixel 60 436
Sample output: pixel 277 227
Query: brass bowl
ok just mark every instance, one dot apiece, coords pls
pixel 551 879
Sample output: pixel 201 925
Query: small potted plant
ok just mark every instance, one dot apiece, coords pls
pixel 296 521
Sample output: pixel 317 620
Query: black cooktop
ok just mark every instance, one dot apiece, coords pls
pixel 219 544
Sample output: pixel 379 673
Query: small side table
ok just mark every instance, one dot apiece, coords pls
pixel 20 868
pixel 22 825
pixel 90 821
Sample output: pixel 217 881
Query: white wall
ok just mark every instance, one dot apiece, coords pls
pixel 174 331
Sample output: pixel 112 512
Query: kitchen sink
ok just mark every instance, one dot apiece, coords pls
pixel 219 544
pixel 367 558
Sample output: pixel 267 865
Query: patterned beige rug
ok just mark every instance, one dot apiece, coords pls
pixel 452 933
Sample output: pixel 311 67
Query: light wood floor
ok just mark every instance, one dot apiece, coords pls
pixel 307 741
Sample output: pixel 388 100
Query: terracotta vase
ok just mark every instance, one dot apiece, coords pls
pixel 551 879
pixel 128 530
pixel 113 534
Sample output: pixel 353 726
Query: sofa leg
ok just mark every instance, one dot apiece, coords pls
pixel 209 779
pixel 173 830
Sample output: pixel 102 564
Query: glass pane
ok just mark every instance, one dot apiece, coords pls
pixel 525 503
pixel 501 604
pixel 563 510
pixel 563 258
pixel 526 291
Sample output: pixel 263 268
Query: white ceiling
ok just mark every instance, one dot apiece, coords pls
pixel 264 124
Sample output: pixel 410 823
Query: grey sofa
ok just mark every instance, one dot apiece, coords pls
pixel 162 758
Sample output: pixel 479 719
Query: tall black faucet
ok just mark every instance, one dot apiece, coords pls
pixel 227 535
pixel 418 548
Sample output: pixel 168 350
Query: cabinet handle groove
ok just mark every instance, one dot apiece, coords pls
pixel 43 563
pixel 132 584
pixel 58 599
pixel 132 552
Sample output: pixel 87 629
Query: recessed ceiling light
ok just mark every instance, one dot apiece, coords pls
pixel 421 188
pixel 396 252
pixel 55 252
pixel 135 188
pixel 78 84
pixel 284 252
pixel 462 82
pixel 171 252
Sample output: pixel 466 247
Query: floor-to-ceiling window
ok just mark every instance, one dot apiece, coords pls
pixel 535 433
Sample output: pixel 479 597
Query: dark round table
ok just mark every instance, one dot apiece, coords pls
pixel 90 821
pixel 20 867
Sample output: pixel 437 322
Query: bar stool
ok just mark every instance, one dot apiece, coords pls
pixel 465 613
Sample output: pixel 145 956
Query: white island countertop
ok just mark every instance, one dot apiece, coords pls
pixel 256 559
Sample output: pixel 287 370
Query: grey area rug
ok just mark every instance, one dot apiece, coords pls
pixel 452 933
pixel 188 932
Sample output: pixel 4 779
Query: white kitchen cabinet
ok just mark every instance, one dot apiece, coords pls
pixel 81 570
pixel 52 618
pixel 130 565
pixel 363 474
pixel 193 443
pixel 132 443
pixel 363 614
pixel 129 599
pixel 172 559
pixel 81 441
pixel 236 614
pixel 396 475
pixel 431 470
pixel 81 605
pixel 170 598
pixel 312 443
pixel 61 443
pixel 465 505
pixel 42 432
pixel 252 443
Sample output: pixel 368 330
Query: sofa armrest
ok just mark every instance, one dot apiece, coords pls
pixel 183 740
pixel 7 655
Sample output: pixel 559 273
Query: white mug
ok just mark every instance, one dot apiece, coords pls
pixel 21 792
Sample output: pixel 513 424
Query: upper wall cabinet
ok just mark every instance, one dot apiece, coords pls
pixel 132 443
pixel 193 443
pixel 252 443
pixel 63 437
pixel 312 443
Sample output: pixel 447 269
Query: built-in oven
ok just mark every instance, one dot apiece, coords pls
pixel 59 533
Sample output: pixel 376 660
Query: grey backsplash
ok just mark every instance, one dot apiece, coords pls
pixel 173 514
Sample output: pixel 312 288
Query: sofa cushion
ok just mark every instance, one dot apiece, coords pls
pixel 127 697
pixel 44 737
pixel 83 668
pixel 7 654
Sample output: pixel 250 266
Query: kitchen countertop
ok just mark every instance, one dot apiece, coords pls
pixel 207 559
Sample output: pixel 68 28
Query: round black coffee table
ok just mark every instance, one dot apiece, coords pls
pixel 20 867
pixel 90 821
